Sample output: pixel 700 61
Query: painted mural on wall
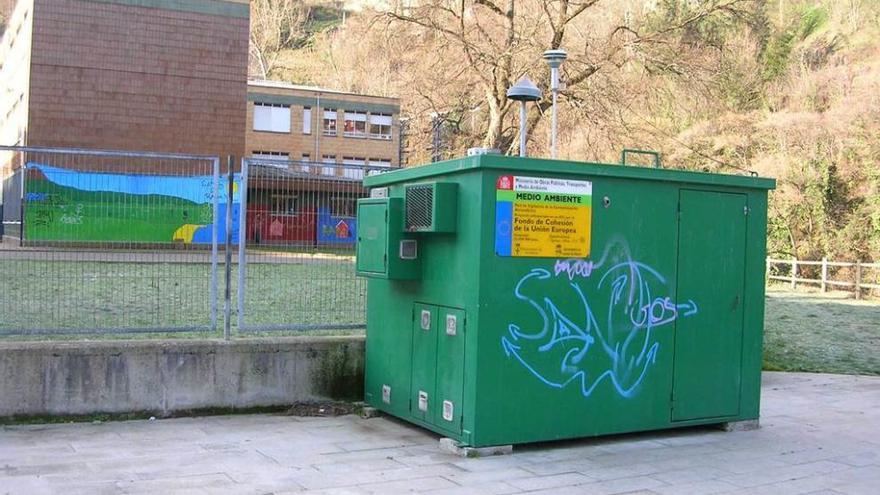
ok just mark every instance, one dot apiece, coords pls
pixel 335 229
pixel 572 347
pixel 70 205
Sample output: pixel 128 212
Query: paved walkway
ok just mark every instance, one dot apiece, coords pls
pixel 820 435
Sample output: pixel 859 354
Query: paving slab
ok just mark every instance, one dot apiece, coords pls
pixel 819 434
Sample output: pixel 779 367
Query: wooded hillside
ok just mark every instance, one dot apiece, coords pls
pixel 787 88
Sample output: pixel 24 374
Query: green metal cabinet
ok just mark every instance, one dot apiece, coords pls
pixel 514 300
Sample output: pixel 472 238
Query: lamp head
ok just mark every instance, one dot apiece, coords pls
pixel 524 90
pixel 555 58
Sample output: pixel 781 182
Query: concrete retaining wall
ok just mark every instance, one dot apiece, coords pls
pixel 164 377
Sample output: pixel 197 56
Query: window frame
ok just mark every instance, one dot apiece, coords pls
pixel 294 201
pixel 272 117
pixel 324 121
pixel 307 120
pixel 381 135
pixel 354 124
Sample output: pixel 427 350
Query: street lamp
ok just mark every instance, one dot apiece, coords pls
pixel 554 59
pixel 523 91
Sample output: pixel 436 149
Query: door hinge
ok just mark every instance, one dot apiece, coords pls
pixel 745 210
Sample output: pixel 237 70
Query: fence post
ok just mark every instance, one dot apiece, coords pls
pixel 22 171
pixel 793 273
pixel 858 280
pixel 215 206
pixel 824 274
pixel 242 240
pixel 227 320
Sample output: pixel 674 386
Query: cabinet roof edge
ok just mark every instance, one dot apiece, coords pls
pixel 530 166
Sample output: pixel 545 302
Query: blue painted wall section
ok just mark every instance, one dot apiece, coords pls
pixel 334 229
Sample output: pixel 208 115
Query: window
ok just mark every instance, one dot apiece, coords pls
pixel 352 172
pixel 380 162
pixel 343 207
pixel 284 204
pixel 306 160
pixel 279 158
pixel 355 124
pixel 380 126
pixel 271 117
pixel 307 120
pixel 330 160
pixel 329 121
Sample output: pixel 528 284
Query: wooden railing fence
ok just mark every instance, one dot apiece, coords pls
pixel 856 276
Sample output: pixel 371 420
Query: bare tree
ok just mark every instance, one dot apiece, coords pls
pixel 6 7
pixel 500 40
pixel 275 26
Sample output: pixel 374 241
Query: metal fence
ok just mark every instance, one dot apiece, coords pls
pixel 109 242
pixel 296 242
pixel 10 198
pixel 856 276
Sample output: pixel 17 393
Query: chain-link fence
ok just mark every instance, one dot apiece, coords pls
pixel 298 230
pixel 118 243
pixel 11 182
pixel 109 242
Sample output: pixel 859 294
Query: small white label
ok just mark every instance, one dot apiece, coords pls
pixel 423 401
pixel 448 410
pixel 451 324
pixel 386 394
pixel 379 192
pixel 426 319
pixel 548 185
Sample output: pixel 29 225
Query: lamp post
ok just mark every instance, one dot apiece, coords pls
pixel 554 59
pixel 523 91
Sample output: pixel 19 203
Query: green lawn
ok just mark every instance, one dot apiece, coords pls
pixel 825 333
pixel 70 295
pixel 804 331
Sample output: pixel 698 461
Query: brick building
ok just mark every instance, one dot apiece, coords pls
pixel 157 75
pixel 308 124
pixel 137 75
pixel 171 76
pixel 312 144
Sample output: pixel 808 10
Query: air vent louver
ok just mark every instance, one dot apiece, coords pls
pixel 419 207
pixel 430 207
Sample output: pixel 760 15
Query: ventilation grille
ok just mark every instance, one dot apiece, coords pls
pixel 419 207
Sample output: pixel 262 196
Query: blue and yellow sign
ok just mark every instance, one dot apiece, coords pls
pixel 542 217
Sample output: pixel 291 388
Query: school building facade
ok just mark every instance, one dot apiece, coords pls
pixel 171 76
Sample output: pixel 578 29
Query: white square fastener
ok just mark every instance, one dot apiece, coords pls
pixel 448 410
pixel 451 324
